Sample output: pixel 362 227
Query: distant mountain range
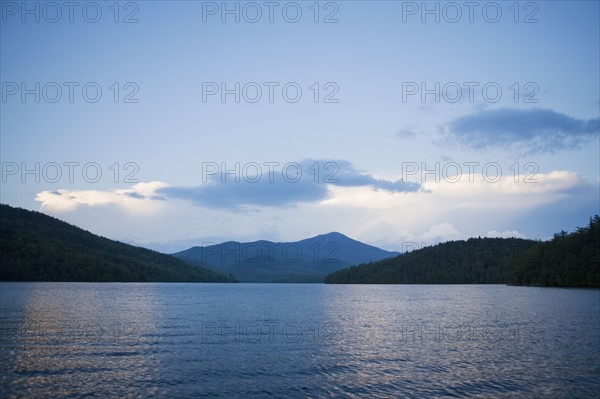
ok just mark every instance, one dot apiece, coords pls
pixel 38 247
pixel 308 260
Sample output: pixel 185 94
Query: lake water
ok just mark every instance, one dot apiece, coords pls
pixel 294 340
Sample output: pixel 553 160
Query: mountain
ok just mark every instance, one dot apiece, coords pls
pixel 38 247
pixel 474 261
pixel 308 260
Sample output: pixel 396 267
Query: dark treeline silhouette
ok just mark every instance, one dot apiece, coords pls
pixel 475 261
pixel 568 260
pixel 38 247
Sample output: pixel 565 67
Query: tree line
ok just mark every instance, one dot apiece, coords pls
pixel 568 260
pixel 38 247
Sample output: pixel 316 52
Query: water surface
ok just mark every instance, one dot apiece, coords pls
pixel 297 340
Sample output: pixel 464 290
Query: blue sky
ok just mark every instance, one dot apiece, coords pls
pixel 408 121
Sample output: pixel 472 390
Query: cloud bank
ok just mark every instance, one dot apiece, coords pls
pixel 282 188
pixel 141 198
pixel 441 211
pixel 306 183
pixel 532 131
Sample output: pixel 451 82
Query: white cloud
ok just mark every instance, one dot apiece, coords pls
pixel 139 199
pixel 440 232
pixel 449 211
pixel 392 220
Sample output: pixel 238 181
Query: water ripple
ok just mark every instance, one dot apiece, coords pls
pixel 298 341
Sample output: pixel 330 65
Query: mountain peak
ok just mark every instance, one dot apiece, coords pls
pixel 333 234
pixel 336 233
pixel 307 260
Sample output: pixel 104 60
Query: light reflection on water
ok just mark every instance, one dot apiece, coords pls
pixel 287 340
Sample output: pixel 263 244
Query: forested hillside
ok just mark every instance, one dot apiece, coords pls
pixel 475 261
pixel 568 260
pixel 37 247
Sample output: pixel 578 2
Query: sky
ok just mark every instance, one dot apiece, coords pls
pixel 169 124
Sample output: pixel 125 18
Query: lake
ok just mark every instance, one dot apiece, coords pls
pixel 297 340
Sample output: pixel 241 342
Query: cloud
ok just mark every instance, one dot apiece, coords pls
pixel 440 232
pixel 307 181
pixel 393 220
pixel 350 177
pixel 140 198
pixel 533 130
pixel 236 195
pixel 471 208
